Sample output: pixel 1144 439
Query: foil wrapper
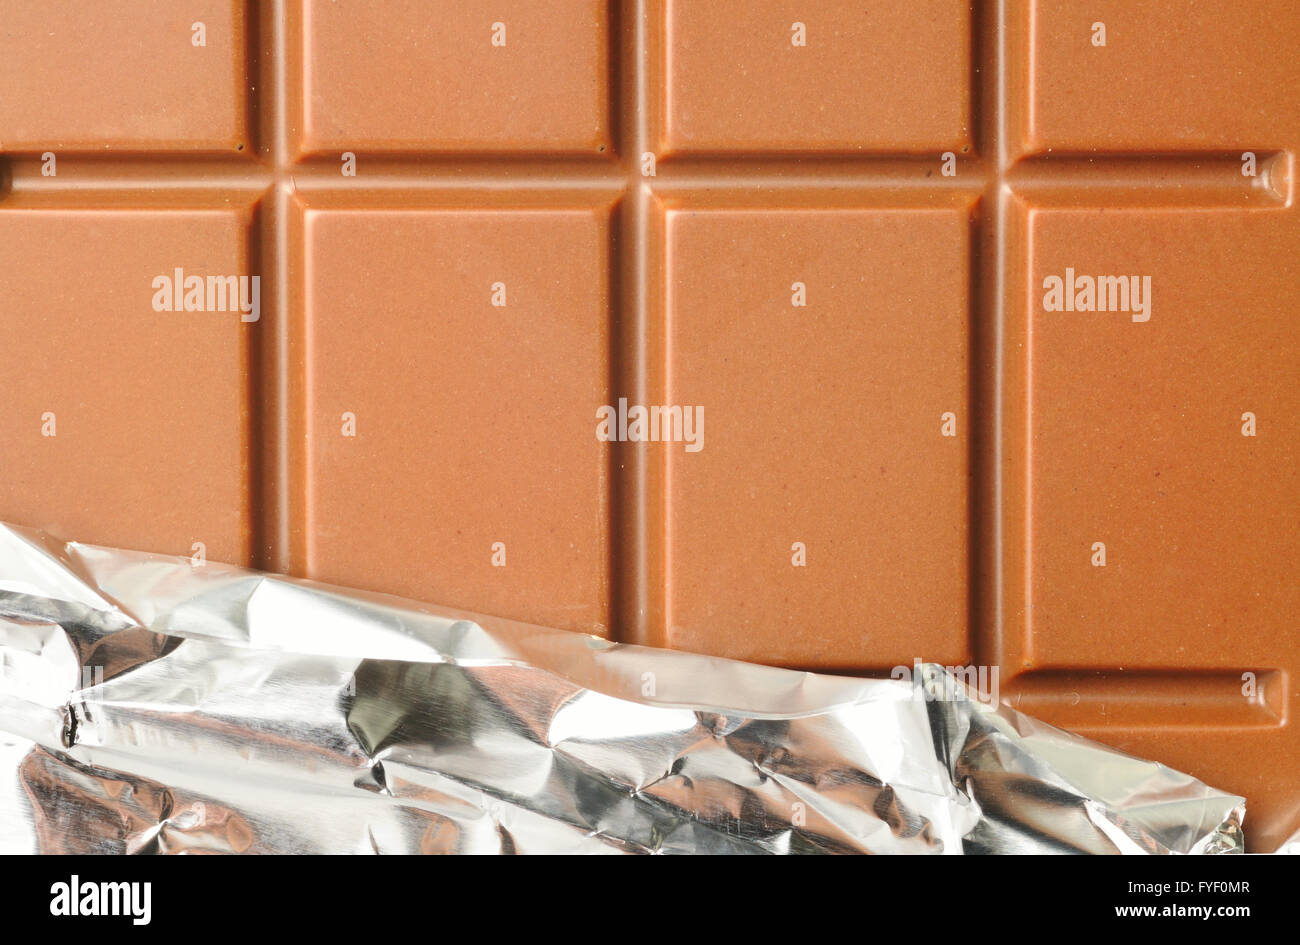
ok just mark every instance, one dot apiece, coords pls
pixel 149 705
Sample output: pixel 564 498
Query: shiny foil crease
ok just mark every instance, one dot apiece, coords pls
pixel 148 705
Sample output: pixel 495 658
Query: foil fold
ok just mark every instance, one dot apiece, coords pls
pixel 152 705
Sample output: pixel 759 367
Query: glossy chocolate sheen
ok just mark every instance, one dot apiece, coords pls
pixel 983 317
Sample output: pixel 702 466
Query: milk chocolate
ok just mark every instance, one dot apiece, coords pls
pixel 829 335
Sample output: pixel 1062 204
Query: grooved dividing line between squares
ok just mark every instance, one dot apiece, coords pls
pixel 267 176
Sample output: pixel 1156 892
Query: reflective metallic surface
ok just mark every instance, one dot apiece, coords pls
pixel 148 705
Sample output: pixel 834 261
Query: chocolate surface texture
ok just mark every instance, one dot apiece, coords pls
pixel 829 335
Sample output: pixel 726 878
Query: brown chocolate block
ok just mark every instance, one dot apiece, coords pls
pixel 414 75
pixel 146 75
pixel 833 345
pixel 1164 429
pixel 124 425
pixel 471 474
pixel 782 75
pixel 1199 76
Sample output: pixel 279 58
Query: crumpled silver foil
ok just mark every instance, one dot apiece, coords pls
pixel 148 705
